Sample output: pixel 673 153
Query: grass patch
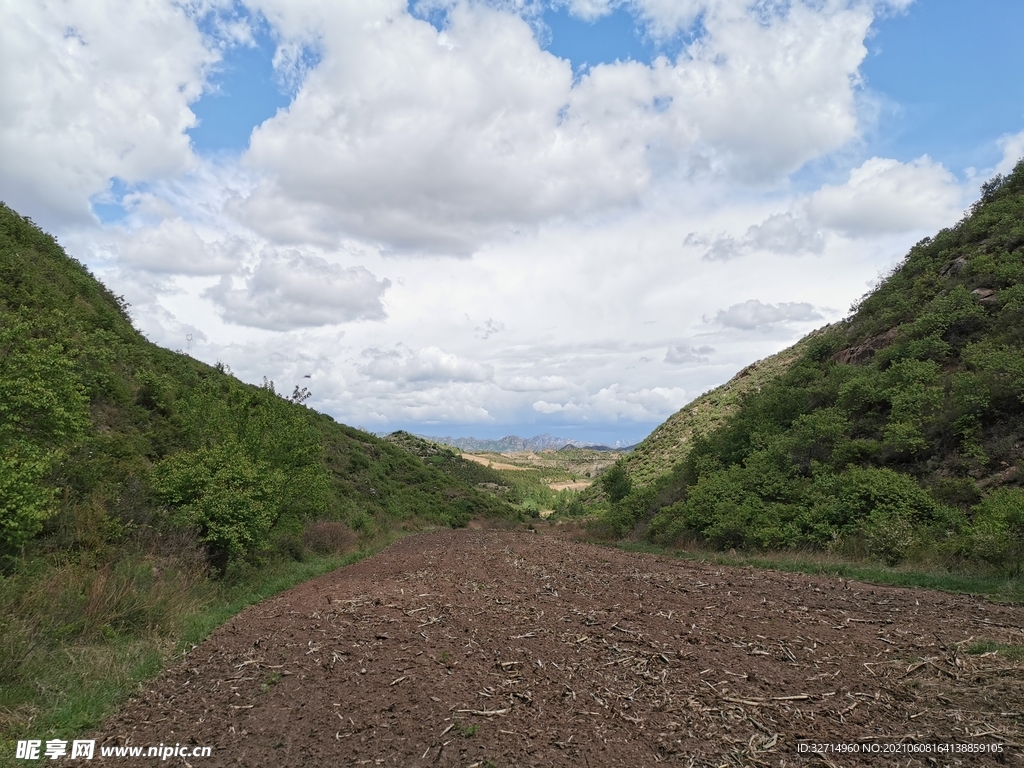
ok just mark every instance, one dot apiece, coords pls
pixel 1011 652
pixel 995 588
pixel 60 685
pixel 466 731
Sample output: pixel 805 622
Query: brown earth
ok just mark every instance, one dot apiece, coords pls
pixel 573 485
pixel 488 462
pixel 488 648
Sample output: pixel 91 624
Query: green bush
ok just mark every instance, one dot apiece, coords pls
pixel 231 500
pixel 616 482
pixel 997 533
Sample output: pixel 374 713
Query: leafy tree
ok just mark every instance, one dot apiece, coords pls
pixel 42 408
pixel 231 500
pixel 616 483
pixel 998 530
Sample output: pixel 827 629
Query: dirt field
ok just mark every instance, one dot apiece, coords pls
pixel 576 485
pixel 484 648
pixel 489 462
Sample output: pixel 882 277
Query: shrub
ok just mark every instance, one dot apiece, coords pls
pixel 290 546
pixel 997 535
pixel 230 499
pixel 616 483
pixel 329 537
pixel 889 534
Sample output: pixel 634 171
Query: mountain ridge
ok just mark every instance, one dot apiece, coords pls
pixel 511 443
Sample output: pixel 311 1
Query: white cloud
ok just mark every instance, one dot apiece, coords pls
pixel 618 402
pixel 590 10
pixel 402 364
pixel 881 196
pixel 884 195
pixel 291 289
pixel 536 384
pixel 666 18
pixel 1012 146
pixel 678 354
pixel 89 91
pixel 174 247
pixel 438 142
pixel 765 95
pixel 782 233
pixel 752 315
pixel 428 141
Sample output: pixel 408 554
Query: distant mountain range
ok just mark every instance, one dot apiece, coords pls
pixel 515 443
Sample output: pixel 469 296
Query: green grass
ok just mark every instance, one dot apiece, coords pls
pixel 466 731
pixel 999 589
pixel 1011 652
pixel 68 686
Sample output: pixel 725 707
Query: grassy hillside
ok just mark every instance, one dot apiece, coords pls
pixel 445 459
pixel 522 479
pixel 670 443
pixel 899 432
pixel 137 484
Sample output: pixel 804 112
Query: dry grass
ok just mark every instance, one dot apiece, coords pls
pixel 328 537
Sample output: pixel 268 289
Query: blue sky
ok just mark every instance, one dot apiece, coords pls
pixel 245 91
pixel 948 74
pixel 484 218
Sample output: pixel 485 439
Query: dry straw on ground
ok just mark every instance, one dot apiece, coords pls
pixel 476 648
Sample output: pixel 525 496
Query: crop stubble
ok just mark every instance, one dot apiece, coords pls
pixel 461 648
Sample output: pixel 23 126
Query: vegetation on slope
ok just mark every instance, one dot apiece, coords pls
pixel 130 474
pixel 669 443
pixel 446 459
pixel 898 432
pixel 527 486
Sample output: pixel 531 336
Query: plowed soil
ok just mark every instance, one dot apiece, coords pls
pixel 486 648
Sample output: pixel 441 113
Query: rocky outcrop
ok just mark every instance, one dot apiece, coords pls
pixel 986 295
pixel 866 349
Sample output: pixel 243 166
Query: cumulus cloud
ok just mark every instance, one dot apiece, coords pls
pixel 89 91
pixel 174 247
pixel 782 233
pixel 678 354
pixel 884 195
pixel 436 141
pixel 430 141
pixel 881 196
pixel 292 289
pixel 402 364
pixel 1012 146
pixel 753 315
pixel 617 402
pixel 590 10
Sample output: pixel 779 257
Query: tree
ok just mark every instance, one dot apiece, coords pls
pixel 42 411
pixel 230 499
pixel 616 483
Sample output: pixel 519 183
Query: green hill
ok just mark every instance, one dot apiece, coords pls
pixel 445 459
pixel 899 431
pixel 670 443
pixel 102 432
pixel 138 484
